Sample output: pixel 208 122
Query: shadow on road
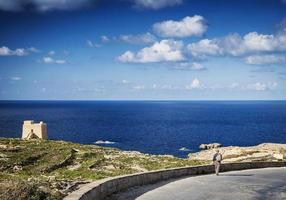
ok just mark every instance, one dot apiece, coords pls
pixel 134 192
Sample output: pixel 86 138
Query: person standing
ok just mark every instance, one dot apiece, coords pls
pixel 217 161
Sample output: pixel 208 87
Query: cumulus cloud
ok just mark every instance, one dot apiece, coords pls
pixel 194 85
pixel 189 26
pixel 5 51
pixel 156 4
pixel 204 47
pixel 265 59
pixel 50 60
pixel 146 38
pixel 259 42
pixel 235 45
pixel 189 66
pixel 163 51
pixel 258 86
pixel 43 5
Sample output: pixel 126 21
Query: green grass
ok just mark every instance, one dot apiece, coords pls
pixel 51 164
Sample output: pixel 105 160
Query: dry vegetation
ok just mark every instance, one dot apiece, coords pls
pixel 42 169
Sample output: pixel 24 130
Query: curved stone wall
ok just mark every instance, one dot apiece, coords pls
pixel 98 190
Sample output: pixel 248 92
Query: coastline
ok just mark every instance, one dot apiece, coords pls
pixel 52 169
pixel 55 168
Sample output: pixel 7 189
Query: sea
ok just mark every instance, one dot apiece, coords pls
pixel 154 127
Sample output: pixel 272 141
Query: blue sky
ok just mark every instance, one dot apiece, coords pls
pixel 143 50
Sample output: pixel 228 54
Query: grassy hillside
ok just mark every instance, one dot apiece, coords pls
pixel 40 169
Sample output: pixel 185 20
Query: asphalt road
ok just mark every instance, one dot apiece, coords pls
pixel 256 184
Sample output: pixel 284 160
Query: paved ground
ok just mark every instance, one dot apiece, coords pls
pixel 258 184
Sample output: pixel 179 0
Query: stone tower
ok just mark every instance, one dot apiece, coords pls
pixel 33 130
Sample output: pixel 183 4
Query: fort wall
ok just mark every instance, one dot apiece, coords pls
pixel 39 129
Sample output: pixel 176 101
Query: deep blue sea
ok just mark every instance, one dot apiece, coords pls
pixel 157 127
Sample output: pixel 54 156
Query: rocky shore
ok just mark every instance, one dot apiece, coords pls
pixel 262 152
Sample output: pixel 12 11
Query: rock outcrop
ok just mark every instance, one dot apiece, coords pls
pixel 262 152
pixel 210 146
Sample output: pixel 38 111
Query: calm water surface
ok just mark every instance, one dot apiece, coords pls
pixel 157 127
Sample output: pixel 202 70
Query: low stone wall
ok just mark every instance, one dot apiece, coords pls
pixel 98 190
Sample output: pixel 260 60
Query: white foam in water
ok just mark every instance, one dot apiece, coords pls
pixel 104 142
pixel 184 149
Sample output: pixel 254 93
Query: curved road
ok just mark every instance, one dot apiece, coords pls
pixel 255 184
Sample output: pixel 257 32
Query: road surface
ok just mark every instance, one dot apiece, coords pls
pixel 255 184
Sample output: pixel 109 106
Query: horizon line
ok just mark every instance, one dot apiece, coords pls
pixel 143 100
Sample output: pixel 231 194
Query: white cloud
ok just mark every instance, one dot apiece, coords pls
pixel 128 56
pixel 197 85
pixel 125 82
pixel 92 44
pixel 231 44
pixel 233 85
pixel 104 39
pixel 5 51
pixel 163 51
pixel 50 60
pixel 189 26
pixel 258 86
pixel 11 5
pixel 43 5
pixel 51 53
pixel 189 66
pixel 282 26
pixel 157 87
pixel 168 87
pixel 156 4
pixel 33 49
pixel 235 45
pixel 146 38
pixel 259 42
pixel 194 85
pixel 139 87
pixel 89 43
pixel 265 59
pixel 204 47
pixel 16 78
